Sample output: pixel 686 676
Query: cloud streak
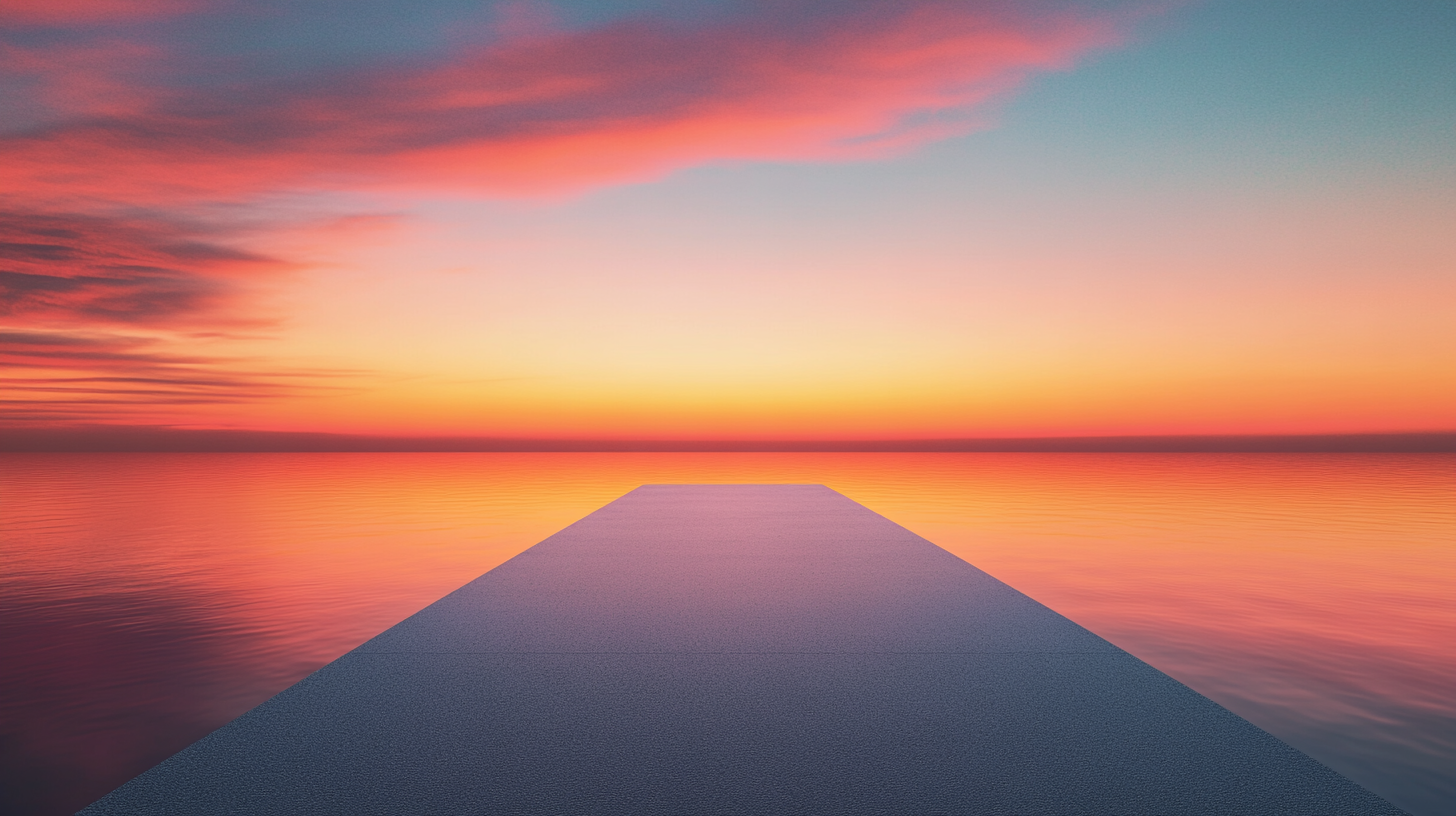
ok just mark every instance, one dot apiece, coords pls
pixel 69 268
pixel 74 12
pixel 98 310
pixel 566 110
pixel 68 376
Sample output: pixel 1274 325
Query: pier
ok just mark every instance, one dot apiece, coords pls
pixel 738 649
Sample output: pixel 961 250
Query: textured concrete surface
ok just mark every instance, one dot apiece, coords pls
pixel 726 649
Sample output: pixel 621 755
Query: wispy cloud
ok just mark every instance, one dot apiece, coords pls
pixel 67 376
pixel 76 269
pixel 100 311
pixel 80 12
pixel 567 109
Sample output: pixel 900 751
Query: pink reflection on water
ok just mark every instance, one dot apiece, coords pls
pixel 148 598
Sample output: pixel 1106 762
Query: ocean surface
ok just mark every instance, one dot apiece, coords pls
pixel 146 599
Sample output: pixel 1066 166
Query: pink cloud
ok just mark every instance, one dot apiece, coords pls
pixel 547 112
pixel 68 269
pixel 84 77
pixel 74 12
pixel 100 315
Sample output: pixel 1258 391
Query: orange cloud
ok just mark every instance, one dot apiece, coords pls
pixel 103 317
pixel 547 112
pixel 72 376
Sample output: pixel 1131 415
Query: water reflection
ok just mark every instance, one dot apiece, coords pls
pixel 148 598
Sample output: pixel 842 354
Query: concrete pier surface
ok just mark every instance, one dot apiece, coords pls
pixel 738 649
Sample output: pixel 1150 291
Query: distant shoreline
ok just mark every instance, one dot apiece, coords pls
pixel 105 438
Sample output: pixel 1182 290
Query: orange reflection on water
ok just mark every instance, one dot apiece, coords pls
pixel 152 597
pixel 1314 595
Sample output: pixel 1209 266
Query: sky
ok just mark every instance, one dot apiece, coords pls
pixel 714 219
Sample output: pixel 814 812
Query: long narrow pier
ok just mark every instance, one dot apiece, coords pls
pixel 738 649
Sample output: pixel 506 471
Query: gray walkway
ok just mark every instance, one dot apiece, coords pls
pixel 765 649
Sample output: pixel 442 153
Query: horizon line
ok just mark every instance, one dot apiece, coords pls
pixel 163 439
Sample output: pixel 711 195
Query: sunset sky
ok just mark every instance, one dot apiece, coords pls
pixel 710 219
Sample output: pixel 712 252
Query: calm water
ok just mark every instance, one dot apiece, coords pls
pixel 146 599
